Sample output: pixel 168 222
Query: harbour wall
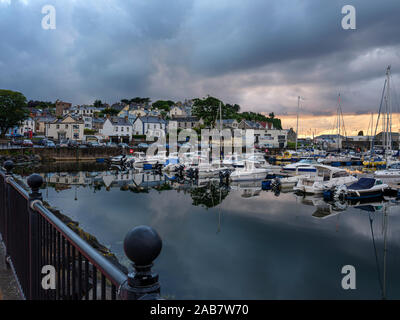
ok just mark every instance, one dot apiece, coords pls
pixel 64 154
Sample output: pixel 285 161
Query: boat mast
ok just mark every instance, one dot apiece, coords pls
pixel 297 123
pixel 377 121
pixel 388 115
pixel 338 115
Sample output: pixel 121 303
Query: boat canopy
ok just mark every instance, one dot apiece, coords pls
pixel 362 184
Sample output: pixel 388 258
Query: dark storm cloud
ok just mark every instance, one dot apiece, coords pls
pixel 261 54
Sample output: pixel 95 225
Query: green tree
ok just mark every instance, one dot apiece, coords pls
pixel 41 104
pixel 98 104
pixel 163 105
pixel 208 196
pixel 140 100
pixel 12 110
pixel 89 131
pixel 208 109
pixel 271 115
pixel 109 111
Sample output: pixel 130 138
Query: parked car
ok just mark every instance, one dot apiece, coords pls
pixel 50 144
pixel 43 142
pixel 143 145
pixel 111 145
pixel 16 142
pixel 123 145
pixel 27 143
pixel 72 143
pixel 93 144
pixel 63 144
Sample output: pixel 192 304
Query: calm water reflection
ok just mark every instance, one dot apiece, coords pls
pixel 242 242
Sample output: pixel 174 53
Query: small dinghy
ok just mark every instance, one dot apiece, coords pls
pixel 362 189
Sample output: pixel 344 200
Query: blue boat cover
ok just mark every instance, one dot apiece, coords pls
pixel 362 184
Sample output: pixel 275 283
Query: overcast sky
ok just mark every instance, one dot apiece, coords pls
pixel 259 54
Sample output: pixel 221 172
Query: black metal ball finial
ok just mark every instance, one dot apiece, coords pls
pixel 8 165
pixel 35 181
pixel 142 245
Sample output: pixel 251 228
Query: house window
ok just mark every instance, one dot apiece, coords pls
pixel 116 129
pixel 122 129
pixel 75 126
pixel 66 126
pixel 57 126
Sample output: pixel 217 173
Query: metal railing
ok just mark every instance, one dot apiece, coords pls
pixel 52 262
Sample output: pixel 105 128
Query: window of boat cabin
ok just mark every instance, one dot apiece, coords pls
pixel 340 174
pixel 324 173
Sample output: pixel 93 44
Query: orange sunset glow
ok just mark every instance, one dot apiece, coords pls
pixel 326 124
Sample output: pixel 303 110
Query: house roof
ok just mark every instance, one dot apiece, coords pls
pixel 253 124
pixel 265 124
pixel 98 120
pixel 117 106
pixel 185 119
pixel 227 121
pixel 75 119
pixel 152 120
pixel 45 119
pixel 118 121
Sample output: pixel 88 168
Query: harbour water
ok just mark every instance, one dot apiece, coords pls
pixel 238 242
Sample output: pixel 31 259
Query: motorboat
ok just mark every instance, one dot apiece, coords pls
pixel 150 161
pixel 248 189
pixel 325 178
pixel 121 159
pixel 392 171
pixel 205 170
pixel 362 189
pixel 290 182
pixel 248 172
pixel 374 162
pixel 234 160
pixel 304 165
pixel 336 160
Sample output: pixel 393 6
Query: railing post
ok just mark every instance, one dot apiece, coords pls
pixel 35 181
pixel 142 245
pixel 8 165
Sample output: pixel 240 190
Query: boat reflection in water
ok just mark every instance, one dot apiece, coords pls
pixel 238 241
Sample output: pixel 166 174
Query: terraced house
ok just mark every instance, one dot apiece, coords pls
pixel 149 125
pixel 117 129
pixel 67 128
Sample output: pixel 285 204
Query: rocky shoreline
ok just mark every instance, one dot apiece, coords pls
pixel 21 159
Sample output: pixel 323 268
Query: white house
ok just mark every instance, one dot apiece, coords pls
pixel 176 111
pixel 272 138
pixel 149 125
pixel 67 128
pixel 40 123
pixel 88 121
pixel 184 123
pixel 84 111
pixel 117 129
pixel 28 125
